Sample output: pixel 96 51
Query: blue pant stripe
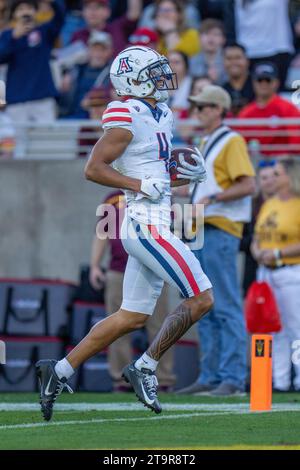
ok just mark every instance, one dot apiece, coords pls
pixel 165 265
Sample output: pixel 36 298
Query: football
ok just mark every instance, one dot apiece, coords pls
pixel 176 155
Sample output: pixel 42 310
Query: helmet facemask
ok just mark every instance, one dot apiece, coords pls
pixel 160 74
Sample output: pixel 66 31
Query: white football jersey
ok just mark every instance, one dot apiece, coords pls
pixel 146 156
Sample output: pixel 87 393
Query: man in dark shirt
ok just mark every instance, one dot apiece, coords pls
pixel 96 14
pixel 92 74
pixel 239 84
pixel 26 49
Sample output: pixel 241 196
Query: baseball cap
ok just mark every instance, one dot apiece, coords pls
pixel 265 70
pixel 213 94
pixel 143 37
pixel 100 37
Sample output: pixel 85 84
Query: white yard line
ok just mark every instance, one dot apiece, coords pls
pixel 240 409
pixel 216 407
pixel 112 420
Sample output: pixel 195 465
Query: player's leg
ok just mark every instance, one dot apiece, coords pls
pixel 167 256
pixel 179 322
pixel 53 375
pixel 141 288
pixel 165 371
pixel 104 333
pixel 120 351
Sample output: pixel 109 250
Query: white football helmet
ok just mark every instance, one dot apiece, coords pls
pixel 142 72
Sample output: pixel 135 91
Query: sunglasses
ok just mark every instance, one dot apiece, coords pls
pixel 264 79
pixel 200 107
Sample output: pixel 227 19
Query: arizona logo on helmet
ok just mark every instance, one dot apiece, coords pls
pixel 124 65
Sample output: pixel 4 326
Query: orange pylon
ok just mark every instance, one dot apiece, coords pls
pixel 261 373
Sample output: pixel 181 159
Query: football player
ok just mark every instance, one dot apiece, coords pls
pixel 133 155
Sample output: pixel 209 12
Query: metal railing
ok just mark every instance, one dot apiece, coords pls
pixel 69 139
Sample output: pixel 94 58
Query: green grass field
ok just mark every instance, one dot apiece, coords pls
pixel 115 421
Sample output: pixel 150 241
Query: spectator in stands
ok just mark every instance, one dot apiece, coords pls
pixel 178 99
pixel 73 21
pixel 227 204
pixel 293 71
pixel 276 248
pixel 120 352
pixel 296 27
pixel 211 8
pixel 198 83
pixel 268 104
pixel 45 12
pixel 210 60
pixel 94 103
pixel 191 14
pixel 264 29
pixel 26 49
pixel 93 74
pixel 190 133
pixel 3 15
pixel 171 26
pixel 96 14
pixel 239 83
pixel 144 37
pixel 265 189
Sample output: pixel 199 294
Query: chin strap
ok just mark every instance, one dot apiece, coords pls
pixel 160 96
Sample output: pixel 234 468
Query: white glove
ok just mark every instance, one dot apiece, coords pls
pixel 154 189
pixel 195 173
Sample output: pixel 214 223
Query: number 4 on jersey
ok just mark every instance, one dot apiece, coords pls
pixel 163 148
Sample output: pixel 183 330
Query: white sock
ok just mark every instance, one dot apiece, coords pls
pixel 146 362
pixel 64 369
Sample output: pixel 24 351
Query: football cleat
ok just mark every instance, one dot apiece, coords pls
pixel 50 386
pixel 144 383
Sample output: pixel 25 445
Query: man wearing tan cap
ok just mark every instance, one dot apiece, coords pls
pixel 226 196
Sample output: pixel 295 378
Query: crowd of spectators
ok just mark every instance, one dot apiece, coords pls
pixel 54 52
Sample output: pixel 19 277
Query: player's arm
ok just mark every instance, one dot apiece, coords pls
pixel 111 146
pixel 177 183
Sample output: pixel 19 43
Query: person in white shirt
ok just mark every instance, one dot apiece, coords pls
pixel 263 28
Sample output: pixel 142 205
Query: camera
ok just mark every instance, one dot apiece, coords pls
pixel 27 19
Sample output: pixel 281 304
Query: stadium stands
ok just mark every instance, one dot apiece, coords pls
pixel 43 151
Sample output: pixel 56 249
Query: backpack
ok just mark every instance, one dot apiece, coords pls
pixel 261 311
